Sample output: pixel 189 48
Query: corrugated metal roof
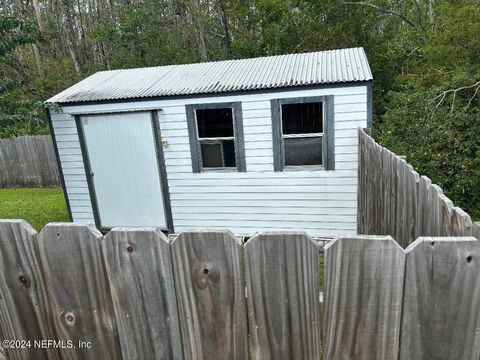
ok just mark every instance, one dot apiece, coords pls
pixel 324 67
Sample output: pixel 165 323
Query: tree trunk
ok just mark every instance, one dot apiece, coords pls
pixel 418 12
pixel 38 59
pixel 227 39
pixel 74 56
pixel 38 16
pixel 70 37
pixel 5 7
pixel 430 11
pixel 200 31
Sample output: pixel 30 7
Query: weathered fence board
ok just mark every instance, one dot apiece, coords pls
pixel 209 281
pixel 3 353
pixel 363 298
pixel 476 230
pixel 394 200
pixel 283 296
pixel 140 272
pixel 23 306
pixel 78 292
pixel 28 161
pixel 441 311
pixel 135 295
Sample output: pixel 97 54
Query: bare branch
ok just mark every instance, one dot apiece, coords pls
pixel 473 97
pixel 383 10
pixel 444 94
pixel 457 90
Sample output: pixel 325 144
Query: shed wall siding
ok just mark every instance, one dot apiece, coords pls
pixel 72 166
pixel 319 202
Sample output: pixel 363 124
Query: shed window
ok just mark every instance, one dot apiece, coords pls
pixel 303 133
pixel 216 137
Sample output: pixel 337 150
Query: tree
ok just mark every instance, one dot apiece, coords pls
pixel 425 57
pixel 19 116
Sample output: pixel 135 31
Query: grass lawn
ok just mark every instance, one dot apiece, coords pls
pixel 37 206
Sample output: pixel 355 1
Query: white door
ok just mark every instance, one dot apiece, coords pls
pixel 124 169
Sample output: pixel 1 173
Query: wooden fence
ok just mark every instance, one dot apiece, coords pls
pixel 393 199
pixel 28 161
pixel 135 294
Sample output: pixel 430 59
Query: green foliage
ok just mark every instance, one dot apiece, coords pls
pixel 13 33
pixel 419 56
pixel 20 114
pixel 136 39
pixel 432 111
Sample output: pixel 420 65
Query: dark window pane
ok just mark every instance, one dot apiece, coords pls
pixel 218 153
pixel 302 118
pixel 303 151
pixel 215 123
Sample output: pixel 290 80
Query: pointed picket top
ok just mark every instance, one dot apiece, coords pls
pixel 209 283
pixel 140 275
pixel 282 272
pixel 74 269
pixel 441 311
pixel 24 309
pixel 363 297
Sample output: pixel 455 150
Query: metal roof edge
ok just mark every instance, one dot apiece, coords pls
pixel 212 94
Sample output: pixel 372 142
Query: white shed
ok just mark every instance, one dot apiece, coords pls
pixel 249 145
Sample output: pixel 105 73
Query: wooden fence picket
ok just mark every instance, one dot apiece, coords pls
pixel 23 300
pixel 28 161
pixel 394 200
pixel 441 311
pixel 363 298
pixel 78 292
pixel 387 199
pixel 283 296
pixel 209 282
pixel 134 294
pixel 412 180
pixel 476 230
pixel 140 274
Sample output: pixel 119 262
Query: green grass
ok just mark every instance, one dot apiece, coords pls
pixel 37 206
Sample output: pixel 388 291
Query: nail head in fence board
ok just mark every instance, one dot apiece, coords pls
pixel 23 302
pixel 209 283
pixel 441 312
pixel 363 298
pixel 283 296
pixel 140 273
pixel 77 284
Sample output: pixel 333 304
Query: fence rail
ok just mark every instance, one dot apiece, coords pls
pixel 28 161
pixel 135 294
pixel 393 199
